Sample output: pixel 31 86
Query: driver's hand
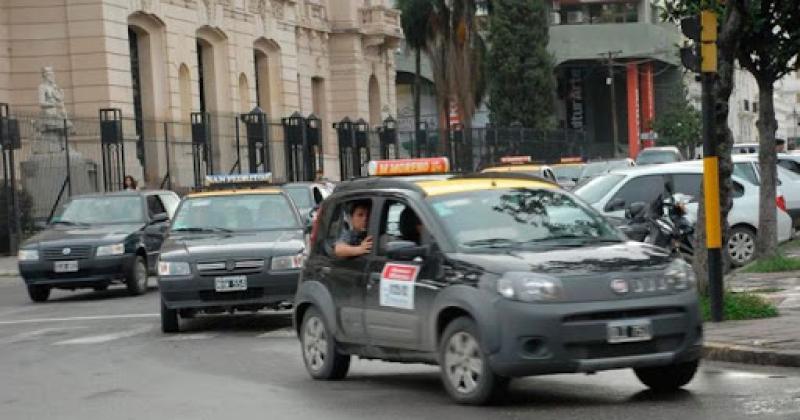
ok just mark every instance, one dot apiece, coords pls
pixel 366 245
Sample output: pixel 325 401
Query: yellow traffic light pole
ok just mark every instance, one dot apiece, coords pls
pixel 708 68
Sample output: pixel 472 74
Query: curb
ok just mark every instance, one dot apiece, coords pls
pixel 723 352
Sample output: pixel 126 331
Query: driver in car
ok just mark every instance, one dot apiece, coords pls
pixel 355 242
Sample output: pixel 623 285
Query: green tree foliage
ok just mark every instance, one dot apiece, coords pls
pixel 521 82
pixel 679 124
pixel 415 19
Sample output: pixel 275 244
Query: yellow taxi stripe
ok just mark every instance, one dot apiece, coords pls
pixel 235 192
pixel 442 187
pixel 513 168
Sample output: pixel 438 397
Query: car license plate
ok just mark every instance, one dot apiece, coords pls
pixel 65 266
pixel 630 331
pixel 230 283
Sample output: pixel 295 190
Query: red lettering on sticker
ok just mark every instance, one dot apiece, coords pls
pixel 400 272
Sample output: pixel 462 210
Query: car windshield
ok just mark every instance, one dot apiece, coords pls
pixel 656 156
pixel 571 172
pixel 232 213
pixel 594 190
pixel 300 196
pixel 520 217
pixel 101 211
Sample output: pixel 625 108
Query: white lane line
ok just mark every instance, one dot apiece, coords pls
pixel 282 333
pixel 103 338
pixel 78 318
pixel 187 337
pixel 36 334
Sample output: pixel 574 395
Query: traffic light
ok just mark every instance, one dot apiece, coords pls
pixel 701 57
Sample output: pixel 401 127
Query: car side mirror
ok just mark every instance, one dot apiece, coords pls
pixel 406 250
pixel 615 204
pixel 160 218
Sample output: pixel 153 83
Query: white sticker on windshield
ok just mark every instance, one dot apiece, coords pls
pixel 397 285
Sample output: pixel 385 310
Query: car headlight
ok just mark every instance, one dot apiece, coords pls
pixel 113 249
pixel 681 275
pixel 287 262
pixel 170 268
pixel 28 255
pixel 529 287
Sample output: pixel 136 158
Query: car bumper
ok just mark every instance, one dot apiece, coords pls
pixel 567 338
pixel 784 226
pixel 91 271
pixel 197 292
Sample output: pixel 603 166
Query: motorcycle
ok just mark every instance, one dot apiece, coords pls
pixel 663 223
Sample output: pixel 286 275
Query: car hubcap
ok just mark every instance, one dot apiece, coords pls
pixel 741 247
pixel 315 343
pixel 463 362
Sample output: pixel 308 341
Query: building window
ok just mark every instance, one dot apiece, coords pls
pixel 746 105
pixel 579 14
pixel 755 106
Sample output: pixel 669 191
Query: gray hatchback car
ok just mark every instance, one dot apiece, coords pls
pixel 490 276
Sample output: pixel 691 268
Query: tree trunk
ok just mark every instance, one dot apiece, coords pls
pixel 767 238
pixel 417 70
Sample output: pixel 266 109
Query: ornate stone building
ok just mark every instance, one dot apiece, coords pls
pixel 160 60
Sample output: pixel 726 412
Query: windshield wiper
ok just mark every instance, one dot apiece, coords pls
pixel 69 223
pixel 573 240
pixel 202 229
pixel 490 243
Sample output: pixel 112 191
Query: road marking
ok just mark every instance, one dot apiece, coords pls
pixel 282 333
pixel 187 337
pixel 103 338
pixel 78 318
pixel 36 334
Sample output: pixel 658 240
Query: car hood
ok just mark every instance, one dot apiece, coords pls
pixel 239 245
pixel 576 261
pixel 93 234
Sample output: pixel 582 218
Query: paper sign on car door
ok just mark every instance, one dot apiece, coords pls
pixel 397 285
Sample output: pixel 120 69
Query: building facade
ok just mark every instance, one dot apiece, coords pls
pixel 161 60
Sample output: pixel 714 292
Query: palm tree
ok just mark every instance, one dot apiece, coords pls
pixel 415 19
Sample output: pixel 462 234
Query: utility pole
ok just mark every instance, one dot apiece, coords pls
pixel 703 59
pixel 610 55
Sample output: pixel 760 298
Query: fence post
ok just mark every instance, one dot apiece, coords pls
pixel 238 146
pixel 66 150
pixel 168 175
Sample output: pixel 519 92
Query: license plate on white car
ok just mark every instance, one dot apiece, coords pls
pixel 630 331
pixel 65 266
pixel 230 283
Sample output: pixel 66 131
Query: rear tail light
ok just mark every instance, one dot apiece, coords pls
pixel 781 202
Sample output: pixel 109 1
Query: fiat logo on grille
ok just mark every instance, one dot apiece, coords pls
pixel 66 251
pixel 230 265
pixel 619 286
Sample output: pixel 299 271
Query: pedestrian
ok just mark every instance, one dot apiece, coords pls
pixel 129 183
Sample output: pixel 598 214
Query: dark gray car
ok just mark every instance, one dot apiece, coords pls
pixel 96 240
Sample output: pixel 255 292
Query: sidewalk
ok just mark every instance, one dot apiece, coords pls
pixel 8 267
pixel 771 341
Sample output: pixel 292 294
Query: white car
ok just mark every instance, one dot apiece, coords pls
pixel 747 167
pixel 611 193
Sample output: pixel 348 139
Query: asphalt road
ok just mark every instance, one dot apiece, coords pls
pixel 87 355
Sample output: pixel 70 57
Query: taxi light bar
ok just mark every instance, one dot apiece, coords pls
pixel 238 179
pixel 576 159
pixel 422 166
pixel 515 159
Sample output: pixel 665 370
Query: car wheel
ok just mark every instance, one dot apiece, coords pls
pixel 741 246
pixel 465 369
pixel 320 354
pixel 137 278
pixel 667 378
pixel 38 293
pixel 170 323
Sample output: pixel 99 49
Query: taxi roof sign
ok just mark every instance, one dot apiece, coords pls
pixel 516 159
pixel 572 159
pixel 420 166
pixel 238 179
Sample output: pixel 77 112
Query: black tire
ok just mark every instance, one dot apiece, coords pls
pixel 170 323
pixel 486 386
pixel 667 378
pixel 321 363
pixel 136 280
pixel 741 246
pixel 38 293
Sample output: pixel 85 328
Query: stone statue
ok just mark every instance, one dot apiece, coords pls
pixel 52 116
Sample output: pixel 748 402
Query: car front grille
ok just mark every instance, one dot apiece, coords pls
pixel 78 252
pixel 625 314
pixel 215 268
pixel 602 350
pixel 214 296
